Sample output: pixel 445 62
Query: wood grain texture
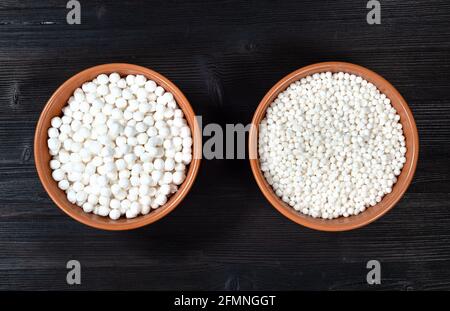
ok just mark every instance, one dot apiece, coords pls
pixel 224 55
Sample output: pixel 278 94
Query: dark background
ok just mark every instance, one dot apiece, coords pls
pixel 224 55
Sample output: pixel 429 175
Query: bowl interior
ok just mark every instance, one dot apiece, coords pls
pixel 42 157
pixel 389 200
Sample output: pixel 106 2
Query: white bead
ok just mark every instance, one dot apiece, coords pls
pixel 169 164
pixel 178 177
pixel 114 214
pixel 58 174
pixel 159 91
pixel 114 77
pixel 54 144
pixel 114 204
pixel 63 184
pixel 124 183
pixel 53 132
pixel 55 164
pixel 187 158
pixel 168 97
pixel 130 79
pixel 56 122
pixel 161 199
pixel 140 80
pixel 71 196
pixel 102 90
pixel 158 164
pixel 145 209
pixel 102 79
pixel 165 189
pixel 150 86
pixel 93 199
pixel 142 138
pixel 122 83
pixel 81 196
pixel 88 207
pixel 167 178
pixel 129 214
pixel 156 175
pixel 185 131
pixel 103 210
pixel 179 157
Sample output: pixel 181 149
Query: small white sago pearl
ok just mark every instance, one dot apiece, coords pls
pixel 102 79
pixel 140 80
pixel 165 189
pixel 114 77
pixel 55 164
pixel 150 86
pixel 88 207
pixel 186 158
pixel 169 164
pixel 178 177
pixel 63 184
pixel 71 196
pixel 130 80
pixel 103 210
pixel 161 199
pixel 145 209
pixel 58 174
pixel 122 83
pixel 114 204
pixel 159 91
pixel 114 214
pixel 102 90
pixel 56 122
pixel 54 144
pixel 141 94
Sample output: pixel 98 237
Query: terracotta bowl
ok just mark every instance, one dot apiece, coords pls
pixel 404 179
pixel 42 157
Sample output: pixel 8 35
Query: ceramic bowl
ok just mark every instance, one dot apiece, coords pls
pixel 389 200
pixel 42 157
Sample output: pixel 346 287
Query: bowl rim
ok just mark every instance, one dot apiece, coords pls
pixel 90 219
pixel 341 223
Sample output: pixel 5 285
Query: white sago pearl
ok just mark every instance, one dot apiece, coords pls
pixel 53 132
pixel 55 164
pixel 63 184
pixel 324 143
pixel 114 214
pixel 178 177
pixel 112 147
pixel 150 86
pixel 56 122
pixel 114 77
pixel 58 174
pixel 88 207
pixel 159 91
pixel 54 144
pixel 102 79
pixel 161 199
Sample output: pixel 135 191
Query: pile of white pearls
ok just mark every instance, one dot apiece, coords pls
pixel 121 146
pixel 331 145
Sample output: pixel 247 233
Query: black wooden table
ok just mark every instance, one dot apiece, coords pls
pixel 224 55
